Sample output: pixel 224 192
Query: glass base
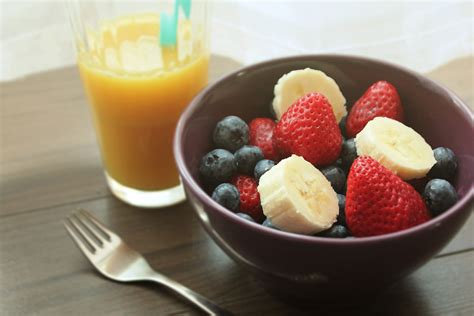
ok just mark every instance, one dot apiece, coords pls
pixel 146 199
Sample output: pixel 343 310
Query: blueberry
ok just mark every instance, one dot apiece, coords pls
pixel 217 166
pixel 261 167
pixel 336 176
pixel 227 195
pixel 268 223
pixel 246 158
pixel 245 216
pixel 439 195
pixel 336 231
pixel 446 164
pixel 342 125
pixel 341 201
pixel 231 133
pixel 348 153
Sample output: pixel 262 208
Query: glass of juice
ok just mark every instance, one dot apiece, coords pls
pixel 139 74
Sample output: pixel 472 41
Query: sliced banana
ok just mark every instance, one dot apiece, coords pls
pixel 397 147
pixel 297 198
pixel 297 83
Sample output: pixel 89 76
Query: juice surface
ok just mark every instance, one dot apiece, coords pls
pixel 137 90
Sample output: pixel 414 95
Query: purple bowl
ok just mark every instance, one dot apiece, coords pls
pixel 301 267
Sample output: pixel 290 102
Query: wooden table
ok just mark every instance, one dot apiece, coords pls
pixel 50 166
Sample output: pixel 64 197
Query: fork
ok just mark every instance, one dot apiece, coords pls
pixel 114 259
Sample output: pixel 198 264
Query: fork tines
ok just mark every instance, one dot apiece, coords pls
pixel 87 232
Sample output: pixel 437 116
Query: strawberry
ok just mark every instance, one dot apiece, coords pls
pixel 309 129
pixel 249 197
pixel 380 99
pixel 261 135
pixel 379 202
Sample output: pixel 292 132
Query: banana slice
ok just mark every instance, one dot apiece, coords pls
pixel 297 83
pixel 397 147
pixel 297 198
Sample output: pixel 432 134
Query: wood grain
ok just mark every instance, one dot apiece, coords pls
pixel 43 272
pixel 50 165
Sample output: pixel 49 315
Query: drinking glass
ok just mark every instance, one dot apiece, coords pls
pixel 140 63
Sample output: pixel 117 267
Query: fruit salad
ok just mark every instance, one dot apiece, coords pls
pixel 317 168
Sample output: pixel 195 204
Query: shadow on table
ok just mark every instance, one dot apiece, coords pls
pixel 401 299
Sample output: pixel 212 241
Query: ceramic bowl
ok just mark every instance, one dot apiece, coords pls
pixel 299 267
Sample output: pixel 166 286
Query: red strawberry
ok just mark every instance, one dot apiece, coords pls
pixel 261 135
pixel 379 202
pixel 381 99
pixel 309 129
pixel 249 197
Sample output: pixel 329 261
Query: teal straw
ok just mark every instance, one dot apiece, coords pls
pixel 169 23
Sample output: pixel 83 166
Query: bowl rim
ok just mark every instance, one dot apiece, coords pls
pixel 258 228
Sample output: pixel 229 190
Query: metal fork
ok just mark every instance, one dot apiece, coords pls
pixel 117 261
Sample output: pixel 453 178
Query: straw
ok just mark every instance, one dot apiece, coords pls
pixel 169 23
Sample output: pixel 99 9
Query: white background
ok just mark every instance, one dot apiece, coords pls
pixel 35 35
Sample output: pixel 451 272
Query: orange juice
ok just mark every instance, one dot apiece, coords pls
pixel 137 90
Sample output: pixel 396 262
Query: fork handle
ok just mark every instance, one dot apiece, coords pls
pixel 197 299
